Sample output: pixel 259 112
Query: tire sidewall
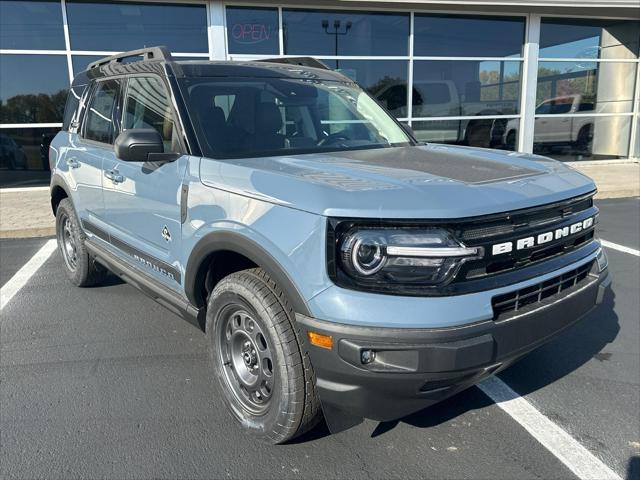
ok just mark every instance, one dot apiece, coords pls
pixel 77 276
pixel 264 425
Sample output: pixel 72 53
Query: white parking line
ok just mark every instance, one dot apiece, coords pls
pixel 22 276
pixel 568 450
pixel 620 248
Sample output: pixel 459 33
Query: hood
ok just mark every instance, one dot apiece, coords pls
pixel 430 181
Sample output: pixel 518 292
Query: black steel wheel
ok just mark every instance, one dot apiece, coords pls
pixel 67 242
pixel 81 269
pixel 246 358
pixel 259 358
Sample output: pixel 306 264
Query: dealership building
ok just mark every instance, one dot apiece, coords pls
pixel 559 78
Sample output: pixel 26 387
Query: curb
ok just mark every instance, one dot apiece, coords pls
pixel 618 194
pixel 28 232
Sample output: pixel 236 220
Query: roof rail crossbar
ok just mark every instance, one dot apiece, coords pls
pixel 151 53
pixel 302 61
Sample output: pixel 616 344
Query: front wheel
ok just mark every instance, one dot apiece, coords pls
pixel 79 266
pixel 259 357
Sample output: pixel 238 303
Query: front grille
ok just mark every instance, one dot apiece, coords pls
pixel 533 295
pixel 511 226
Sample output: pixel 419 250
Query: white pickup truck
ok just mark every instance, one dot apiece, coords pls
pixel 574 131
pixel 441 98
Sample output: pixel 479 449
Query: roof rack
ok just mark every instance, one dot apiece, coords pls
pixel 302 61
pixel 151 53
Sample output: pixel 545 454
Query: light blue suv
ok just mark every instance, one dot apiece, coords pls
pixel 336 265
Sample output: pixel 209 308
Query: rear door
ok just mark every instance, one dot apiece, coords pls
pixel 142 199
pixel 553 129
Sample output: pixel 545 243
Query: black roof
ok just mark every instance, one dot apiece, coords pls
pixel 259 69
pixel 278 68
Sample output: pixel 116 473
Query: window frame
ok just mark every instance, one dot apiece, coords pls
pixel 115 118
pixel 177 126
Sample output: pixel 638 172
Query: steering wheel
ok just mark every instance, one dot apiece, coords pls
pixel 333 138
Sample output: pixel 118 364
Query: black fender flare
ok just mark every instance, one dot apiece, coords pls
pixel 237 243
pixel 57 182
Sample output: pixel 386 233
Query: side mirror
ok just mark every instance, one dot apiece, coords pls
pixel 136 144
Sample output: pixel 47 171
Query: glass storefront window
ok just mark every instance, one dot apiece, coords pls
pixel 582 137
pixel 385 80
pixel 468 36
pixel 589 38
pixel 33 88
pixel 24 156
pixel 585 87
pixel 252 30
pixel 129 26
pixel 326 32
pixel 480 132
pixel 444 88
pixel 31 25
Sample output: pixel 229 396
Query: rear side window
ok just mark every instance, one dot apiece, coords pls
pixel 99 125
pixel 71 107
pixel 148 105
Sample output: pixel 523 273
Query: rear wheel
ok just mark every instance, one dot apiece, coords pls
pixel 511 140
pixel 585 139
pixel 259 357
pixel 79 266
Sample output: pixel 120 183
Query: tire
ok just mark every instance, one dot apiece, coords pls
pixel 81 269
pixel 584 139
pixel 478 134
pixel 259 358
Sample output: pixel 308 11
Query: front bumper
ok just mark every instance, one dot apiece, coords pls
pixel 415 368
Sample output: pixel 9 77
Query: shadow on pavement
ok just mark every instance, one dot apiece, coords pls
pixel 633 470
pixel 465 401
pixel 569 351
pixel 110 281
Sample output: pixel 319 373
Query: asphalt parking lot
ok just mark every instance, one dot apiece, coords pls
pixel 106 383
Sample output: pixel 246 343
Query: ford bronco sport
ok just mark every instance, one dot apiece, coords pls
pixel 336 265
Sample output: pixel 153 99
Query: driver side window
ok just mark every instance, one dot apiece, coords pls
pixel 99 125
pixel 148 105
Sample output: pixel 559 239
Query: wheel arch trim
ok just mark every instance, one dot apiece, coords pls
pixel 230 241
pixel 58 182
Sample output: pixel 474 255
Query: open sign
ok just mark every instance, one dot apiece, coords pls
pixel 249 33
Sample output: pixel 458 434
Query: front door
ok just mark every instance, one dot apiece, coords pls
pixel 87 149
pixel 142 199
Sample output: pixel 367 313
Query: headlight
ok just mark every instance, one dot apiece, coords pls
pixel 395 257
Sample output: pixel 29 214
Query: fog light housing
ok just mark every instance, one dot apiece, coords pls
pixel 367 356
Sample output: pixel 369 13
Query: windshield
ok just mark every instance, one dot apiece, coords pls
pixel 247 117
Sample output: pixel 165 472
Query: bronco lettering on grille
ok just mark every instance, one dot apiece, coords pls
pixel 542 238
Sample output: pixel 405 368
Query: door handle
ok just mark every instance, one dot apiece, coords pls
pixel 72 163
pixel 114 176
